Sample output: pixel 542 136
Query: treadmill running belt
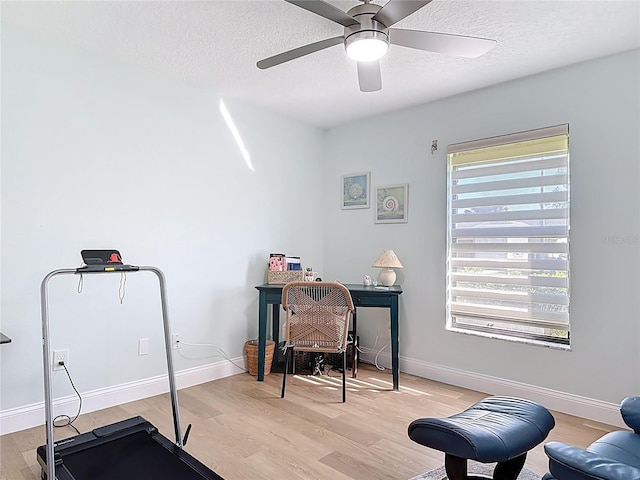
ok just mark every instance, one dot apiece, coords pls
pixel 134 456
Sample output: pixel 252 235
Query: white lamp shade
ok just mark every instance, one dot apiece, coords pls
pixel 387 259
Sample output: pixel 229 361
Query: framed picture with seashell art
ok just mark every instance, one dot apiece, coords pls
pixel 355 190
pixel 392 203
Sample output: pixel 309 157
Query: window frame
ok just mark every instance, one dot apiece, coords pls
pixel 502 158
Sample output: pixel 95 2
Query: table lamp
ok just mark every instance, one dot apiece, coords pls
pixel 388 261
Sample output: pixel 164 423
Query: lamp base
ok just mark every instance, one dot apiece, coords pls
pixel 388 277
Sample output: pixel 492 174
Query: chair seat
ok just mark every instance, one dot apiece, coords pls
pixel 496 429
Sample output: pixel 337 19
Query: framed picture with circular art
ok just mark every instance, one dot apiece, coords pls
pixel 355 190
pixel 391 203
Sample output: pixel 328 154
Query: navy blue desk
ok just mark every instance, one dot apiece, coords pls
pixel 382 297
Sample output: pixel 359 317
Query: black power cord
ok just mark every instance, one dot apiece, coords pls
pixel 66 420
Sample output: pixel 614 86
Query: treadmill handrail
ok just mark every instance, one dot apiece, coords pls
pixel 46 353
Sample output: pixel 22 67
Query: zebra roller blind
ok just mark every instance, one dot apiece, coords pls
pixel 508 235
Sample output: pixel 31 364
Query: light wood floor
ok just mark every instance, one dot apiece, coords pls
pixel 243 430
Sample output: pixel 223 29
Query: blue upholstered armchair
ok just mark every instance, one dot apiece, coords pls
pixel 615 456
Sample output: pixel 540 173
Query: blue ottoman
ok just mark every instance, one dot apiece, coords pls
pixel 496 429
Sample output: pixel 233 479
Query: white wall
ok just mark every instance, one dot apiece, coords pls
pixel 100 155
pixel 601 102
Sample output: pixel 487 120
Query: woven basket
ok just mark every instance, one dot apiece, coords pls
pixel 277 278
pixel 251 347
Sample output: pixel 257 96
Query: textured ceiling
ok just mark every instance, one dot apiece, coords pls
pixel 216 44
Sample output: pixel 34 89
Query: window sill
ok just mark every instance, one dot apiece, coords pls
pixel 497 336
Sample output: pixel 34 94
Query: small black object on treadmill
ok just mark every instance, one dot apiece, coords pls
pixel 103 261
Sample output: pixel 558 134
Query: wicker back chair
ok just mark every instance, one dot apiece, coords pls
pixel 317 320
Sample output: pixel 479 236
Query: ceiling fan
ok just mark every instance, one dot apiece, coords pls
pixel 368 33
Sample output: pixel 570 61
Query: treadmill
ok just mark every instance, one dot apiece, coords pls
pixel 129 449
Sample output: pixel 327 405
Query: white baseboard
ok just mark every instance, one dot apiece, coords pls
pixel 21 418
pixel 28 416
pixel 564 402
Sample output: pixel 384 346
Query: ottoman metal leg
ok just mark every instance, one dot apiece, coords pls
pixel 510 469
pixel 456 468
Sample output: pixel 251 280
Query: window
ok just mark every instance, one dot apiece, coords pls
pixel 508 235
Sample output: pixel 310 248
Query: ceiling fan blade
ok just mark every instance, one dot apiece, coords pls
pixel 459 45
pixel 299 52
pixel 396 10
pixel 369 76
pixel 326 10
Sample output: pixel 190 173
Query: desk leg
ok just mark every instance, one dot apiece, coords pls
pixel 262 333
pixel 395 366
pixel 275 323
pixel 356 354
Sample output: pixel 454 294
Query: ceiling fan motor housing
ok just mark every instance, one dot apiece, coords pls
pixel 367 28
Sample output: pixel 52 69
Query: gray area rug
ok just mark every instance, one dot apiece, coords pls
pixel 475 468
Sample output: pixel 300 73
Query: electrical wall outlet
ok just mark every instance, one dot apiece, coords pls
pixel 60 356
pixel 175 341
pixel 143 346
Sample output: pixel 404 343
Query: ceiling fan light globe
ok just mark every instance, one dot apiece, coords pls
pixel 366 46
pixel 367 50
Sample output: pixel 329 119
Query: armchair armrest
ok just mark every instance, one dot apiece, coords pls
pixel 630 411
pixel 571 463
